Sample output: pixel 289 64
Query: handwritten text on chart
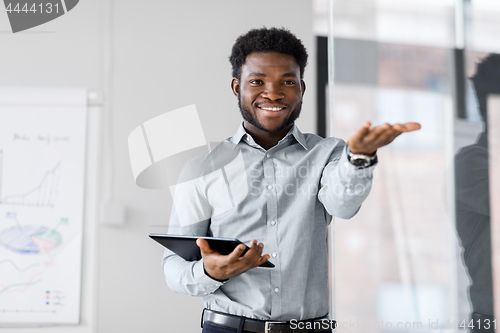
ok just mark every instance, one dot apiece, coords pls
pixel 41 138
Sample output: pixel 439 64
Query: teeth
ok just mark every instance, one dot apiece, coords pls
pixel 271 109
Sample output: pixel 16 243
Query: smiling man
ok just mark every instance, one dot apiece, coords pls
pixel 269 90
pixel 297 181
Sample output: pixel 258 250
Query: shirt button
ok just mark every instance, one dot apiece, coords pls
pixel 268 155
pixel 273 222
pixel 276 290
pixel 274 254
pixel 269 187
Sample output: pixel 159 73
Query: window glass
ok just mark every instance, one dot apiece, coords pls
pixel 419 255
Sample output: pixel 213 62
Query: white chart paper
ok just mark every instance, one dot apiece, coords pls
pixel 42 169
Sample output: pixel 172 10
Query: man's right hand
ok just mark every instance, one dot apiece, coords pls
pixel 221 267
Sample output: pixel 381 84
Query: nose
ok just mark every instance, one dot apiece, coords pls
pixel 273 92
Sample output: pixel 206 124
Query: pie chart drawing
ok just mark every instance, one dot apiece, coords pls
pixel 30 239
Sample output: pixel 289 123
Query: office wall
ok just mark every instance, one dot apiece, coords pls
pixel 164 55
pixel 66 52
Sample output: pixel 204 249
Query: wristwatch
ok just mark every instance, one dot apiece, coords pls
pixel 361 160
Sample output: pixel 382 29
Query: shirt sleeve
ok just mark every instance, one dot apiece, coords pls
pixel 187 277
pixel 190 216
pixel 344 187
pixel 472 192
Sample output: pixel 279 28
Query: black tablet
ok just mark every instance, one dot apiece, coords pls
pixel 185 246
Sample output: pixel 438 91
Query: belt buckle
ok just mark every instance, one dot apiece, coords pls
pixel 266 328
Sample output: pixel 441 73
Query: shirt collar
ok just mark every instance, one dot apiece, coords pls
pixel 239 135
pixel 482 140
pixel 297 134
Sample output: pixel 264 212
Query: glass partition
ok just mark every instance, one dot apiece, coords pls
pixel 420 253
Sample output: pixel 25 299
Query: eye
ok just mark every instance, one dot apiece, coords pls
pixel 256 82
pixel 289 83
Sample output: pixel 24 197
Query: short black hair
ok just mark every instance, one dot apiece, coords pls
pixel 487 77
pixel 487 80
pixel 279 40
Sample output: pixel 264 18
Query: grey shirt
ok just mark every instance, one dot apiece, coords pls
pixel 291 192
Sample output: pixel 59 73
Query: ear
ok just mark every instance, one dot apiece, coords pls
pixel 303 86
pixel 235 86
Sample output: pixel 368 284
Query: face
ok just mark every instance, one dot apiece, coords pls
pixel 269 92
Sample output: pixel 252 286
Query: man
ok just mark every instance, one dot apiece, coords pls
pixel 297 182
pixel 472 201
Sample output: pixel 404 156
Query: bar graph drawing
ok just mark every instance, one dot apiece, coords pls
pixel 43 194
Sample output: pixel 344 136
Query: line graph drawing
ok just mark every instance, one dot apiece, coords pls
pixel 20 282
pixel 18 268
pixel 27 284
pixel 30 239
pixel 42 195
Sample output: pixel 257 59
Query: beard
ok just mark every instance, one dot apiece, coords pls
pixel 252 119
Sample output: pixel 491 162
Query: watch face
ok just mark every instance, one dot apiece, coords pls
pixel 360 160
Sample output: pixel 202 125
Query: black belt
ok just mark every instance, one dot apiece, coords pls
pixel 323 324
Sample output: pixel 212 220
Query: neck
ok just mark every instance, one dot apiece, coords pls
pixel 265 139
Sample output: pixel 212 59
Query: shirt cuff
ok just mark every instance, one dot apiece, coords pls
pixel 209 285
pixel 349 168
